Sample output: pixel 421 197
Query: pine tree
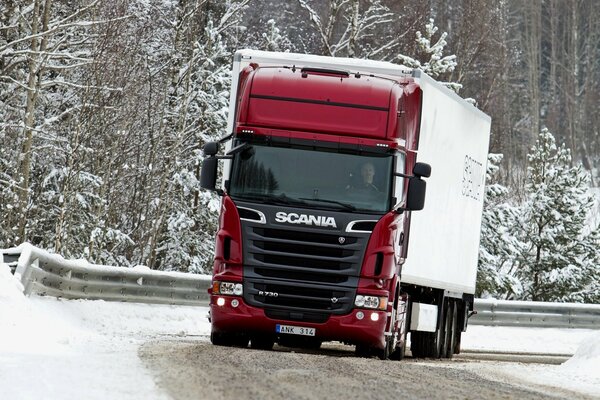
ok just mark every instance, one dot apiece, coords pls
pixel 498 241
pixel 272 39
pixel 559 259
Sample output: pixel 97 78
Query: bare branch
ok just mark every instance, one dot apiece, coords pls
pixel 61 27
pixel 74 85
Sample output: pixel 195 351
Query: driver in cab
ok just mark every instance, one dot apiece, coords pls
pixel 367 173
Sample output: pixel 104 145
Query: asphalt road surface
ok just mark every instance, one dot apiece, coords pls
pixel 195 369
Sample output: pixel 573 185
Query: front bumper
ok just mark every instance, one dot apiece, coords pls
pixel 344 328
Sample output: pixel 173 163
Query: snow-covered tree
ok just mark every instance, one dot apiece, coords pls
pixel 272 39
pixel 498 241
pixel 188 240
pixel 431 59
pixel 197 106
pixel 45 50
pixel 347 27
pixel 560 254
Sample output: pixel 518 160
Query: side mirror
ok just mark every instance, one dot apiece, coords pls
pixel 415 199
pixel 211 148
pixel 422 170
pixel 208 175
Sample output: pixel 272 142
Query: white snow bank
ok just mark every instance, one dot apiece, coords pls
pixel 581 373
pixel 586 359
pixel 583 369
pixel 524 339
pixel 74 349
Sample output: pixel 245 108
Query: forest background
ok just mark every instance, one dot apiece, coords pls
pixel 105 106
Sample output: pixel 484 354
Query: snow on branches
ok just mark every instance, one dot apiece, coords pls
pixel 542 249
pixel 434 62
pixel 559 255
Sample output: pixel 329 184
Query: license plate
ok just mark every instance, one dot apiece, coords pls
pixel 295 330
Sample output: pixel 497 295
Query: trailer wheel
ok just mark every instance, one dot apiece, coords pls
pixel 451 326
pixel 435 348
pixel 457 341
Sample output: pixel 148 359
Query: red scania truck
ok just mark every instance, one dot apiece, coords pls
pixel 325 232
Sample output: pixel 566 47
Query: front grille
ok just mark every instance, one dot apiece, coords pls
pixel 314 317
pixel 301 236
pixel 316 255
pixel 302 249
pixel 294 260
pixel 299 276
pixel 299 296
pixel 310 270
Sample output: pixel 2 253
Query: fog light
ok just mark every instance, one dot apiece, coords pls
pixel 360 315
pixel 220 302
pixel 374 317
pixel 235 303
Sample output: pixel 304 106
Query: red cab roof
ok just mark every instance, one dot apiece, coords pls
pixel 324 102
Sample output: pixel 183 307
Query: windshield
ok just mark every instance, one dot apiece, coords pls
pixel 312 178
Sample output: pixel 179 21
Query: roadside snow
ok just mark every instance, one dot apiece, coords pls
pixel 581 373
pixel 73 349
pixel 521 339
pixel 587 357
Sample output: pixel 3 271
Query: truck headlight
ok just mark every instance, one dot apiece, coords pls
pixel 228 288
pixel 373 302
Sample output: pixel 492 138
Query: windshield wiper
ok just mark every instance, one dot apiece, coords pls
pixel 346 206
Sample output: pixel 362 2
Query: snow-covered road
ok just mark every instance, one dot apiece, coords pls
pixel 74 349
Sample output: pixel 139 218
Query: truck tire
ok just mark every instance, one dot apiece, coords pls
pixel 228 339
pixel 363 351
pixel 395 341
pixel 435 345
pixel 262 342
pixel 457 342
pixel 400 351
pixel 451 327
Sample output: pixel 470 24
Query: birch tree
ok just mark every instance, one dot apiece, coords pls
pixel 346 29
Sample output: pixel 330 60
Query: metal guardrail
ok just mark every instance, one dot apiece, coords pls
pixel 536 314
pixel 48 274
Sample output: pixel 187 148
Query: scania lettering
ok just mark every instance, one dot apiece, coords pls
pixel 351 201
pixel 293 218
